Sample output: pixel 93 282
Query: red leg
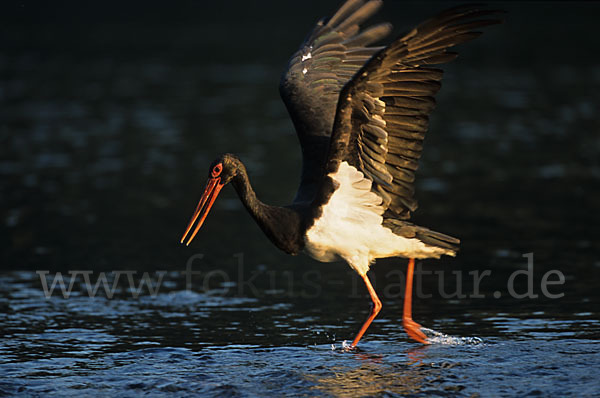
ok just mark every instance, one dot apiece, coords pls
pixel 374 311
pixel 412 328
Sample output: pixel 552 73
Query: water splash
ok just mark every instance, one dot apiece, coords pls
pixel 435 337
pixel 345 346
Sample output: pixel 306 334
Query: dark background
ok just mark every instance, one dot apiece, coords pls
pixel 111 112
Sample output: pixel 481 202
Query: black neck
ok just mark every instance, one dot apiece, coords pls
pixel 282 225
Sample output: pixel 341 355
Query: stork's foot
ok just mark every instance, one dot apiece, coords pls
pixel 349 347
pixel 413 329
pixel 374 311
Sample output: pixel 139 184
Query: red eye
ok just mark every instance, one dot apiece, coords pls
pixel 216 171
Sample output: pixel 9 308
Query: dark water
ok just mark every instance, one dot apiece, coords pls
pixel 109 117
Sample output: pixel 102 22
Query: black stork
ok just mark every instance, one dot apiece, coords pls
pixel 361 113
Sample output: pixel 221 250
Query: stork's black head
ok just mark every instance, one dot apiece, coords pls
pixel 224 167
pixel 221 172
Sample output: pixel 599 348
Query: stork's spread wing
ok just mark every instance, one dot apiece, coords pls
pixel 331 54
pixel 382 114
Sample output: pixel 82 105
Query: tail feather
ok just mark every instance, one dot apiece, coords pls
pixel 425 235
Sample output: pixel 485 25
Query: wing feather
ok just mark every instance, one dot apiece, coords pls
pixel 331 55
pixel 383 111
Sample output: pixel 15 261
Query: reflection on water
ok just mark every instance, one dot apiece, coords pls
pixel 106 135
pixel 371 378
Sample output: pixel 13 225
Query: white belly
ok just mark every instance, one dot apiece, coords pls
pixel 350 227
